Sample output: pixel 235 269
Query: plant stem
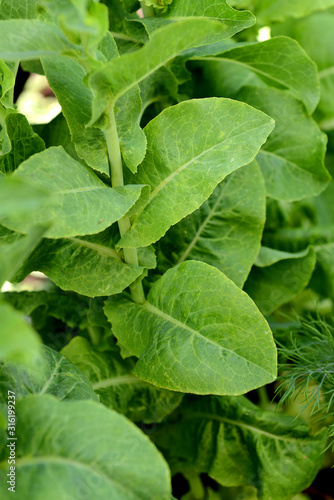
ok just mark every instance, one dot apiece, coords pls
pixel 264 401
pixel 116 176
pixel 95 334
pixel 147 10
pixel 196 486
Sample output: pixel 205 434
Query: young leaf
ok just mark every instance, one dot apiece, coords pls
pixel 278 277
pixel 197 332
pixel 18 341
pixel 191 148
pixel 225 231
pixel 122 73
pixel 90 265
pixel 237 443
pixel 98 452
pixel 292 160
pixel 21 9
pixel 81 203
pixel 51 373
pixel 117 387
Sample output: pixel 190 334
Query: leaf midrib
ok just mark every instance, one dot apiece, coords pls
pixel 236 423
pixel 107 252
pixel 120 380
pixel 149 307
pixel 195 158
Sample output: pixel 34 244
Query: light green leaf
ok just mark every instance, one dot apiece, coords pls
pixel 7 80
pixel 117 387
pixel 20 9
pixel 18 340
pixel 292 160
pixel 226 231
pixel 65 78
pixel 81 203
pixel 196 333
pixel 280 62
pixel 30 39
pixel 237 443
pixel 19 143
pixel 90 265
pixel 51 373
pixel 98 451
pixel 233 20
pixel 278 277
pixel 316 36
pixel 123 73
pixel 191 148
pixel 269 11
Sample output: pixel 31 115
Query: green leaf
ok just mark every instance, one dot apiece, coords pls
pixel 280 62
pixel 81 203
pixel 226 231
pixel 237 443
pixel 65 78
pixel 90 265
pixel 325 268
pixel 292 160
pixel 52 373
pixel 319 47
pixel 18 340
pixel 191 148
pixel 117 387
pixel 97 451
pixel 21 9
pixel 31 39
pixel 20 142
pixel 196 333
pixel 268 11
pixel 122 73
pixel 7 80
pixel 278 277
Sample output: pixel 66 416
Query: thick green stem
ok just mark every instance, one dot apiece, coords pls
pixel 116 175
pixel 196 485
pixel 147 10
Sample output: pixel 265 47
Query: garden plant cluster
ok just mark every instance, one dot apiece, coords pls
pixel 181 206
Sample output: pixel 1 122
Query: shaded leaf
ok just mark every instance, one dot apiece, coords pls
pixel 237 443
pixel 51 373
pixel 278 277
pixel 268 11
pixel 292 160
pixel 112 379
pixel 226 231
pixel 191 148
pixel 195 333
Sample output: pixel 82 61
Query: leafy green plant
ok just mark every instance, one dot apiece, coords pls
pixel 178 201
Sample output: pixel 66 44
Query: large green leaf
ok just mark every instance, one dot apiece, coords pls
pixel 278 277
pixel 237 443
pixel 196 333
pixel 280 62
pixel 292 160
pixel 225 231
pixel 117 387
pixel 75 448
pixel 81 203
pixel 51 373
pixel 19 142
pixel 191 148
pixel 268 11
pixel 18 340
pixel 30 39
pixel 122 73
pixel 316 36
pixel 90 265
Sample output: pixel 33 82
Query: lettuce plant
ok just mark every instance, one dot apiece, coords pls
pixel 159 204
